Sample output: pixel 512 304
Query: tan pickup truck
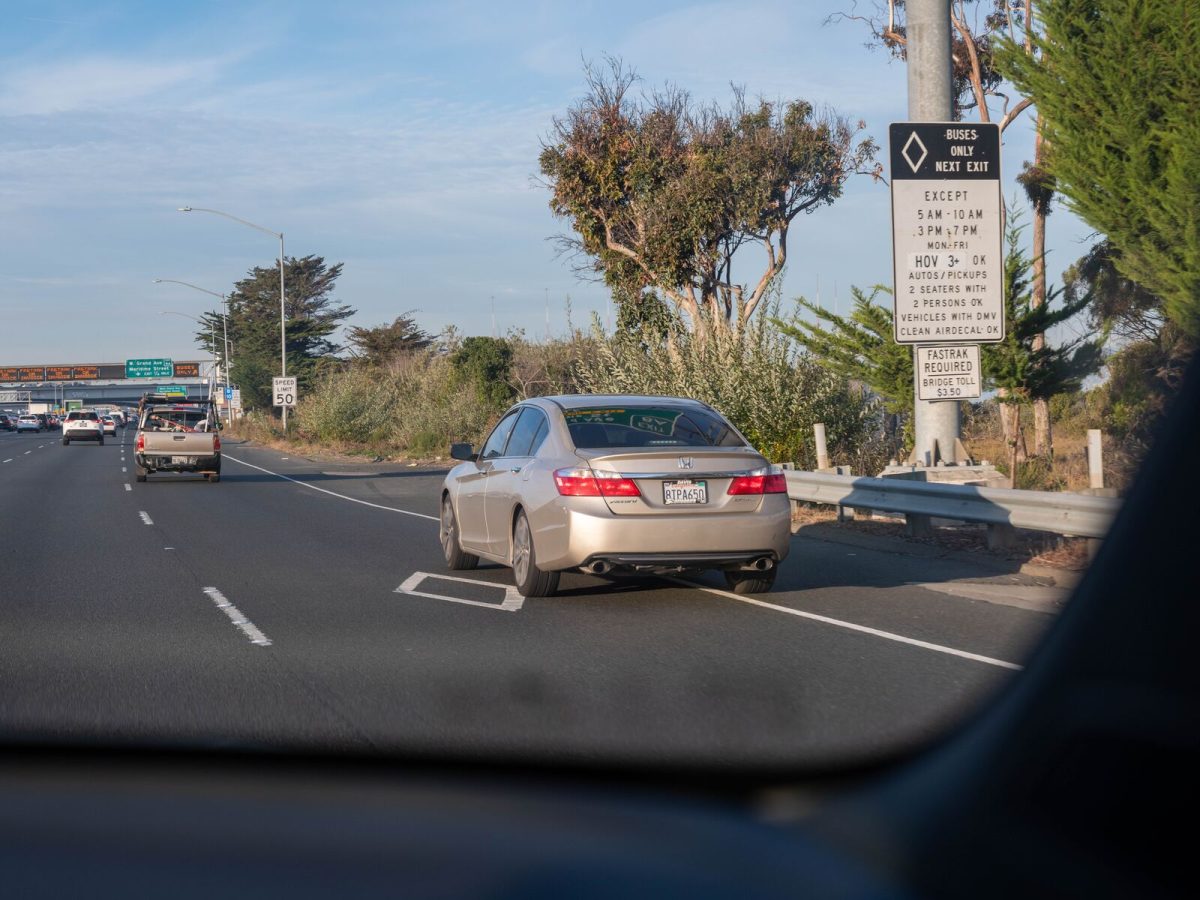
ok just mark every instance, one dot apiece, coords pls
pixel 177 435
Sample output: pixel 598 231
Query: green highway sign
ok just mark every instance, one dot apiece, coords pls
pixel 149 368
pixel 173 390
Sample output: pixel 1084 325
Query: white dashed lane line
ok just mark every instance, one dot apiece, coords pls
pixel 236 616
pixel 128 486
pixel 145 517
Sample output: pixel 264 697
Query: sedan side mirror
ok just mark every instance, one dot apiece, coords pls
pixel 464 452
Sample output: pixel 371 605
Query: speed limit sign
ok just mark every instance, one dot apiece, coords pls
pixel 284 391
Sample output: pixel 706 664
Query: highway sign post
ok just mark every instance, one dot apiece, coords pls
pixel 946 233
pixel 949 373
pixel 283 391
pixel 149 368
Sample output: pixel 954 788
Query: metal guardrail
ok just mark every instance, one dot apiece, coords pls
pixel 1078 515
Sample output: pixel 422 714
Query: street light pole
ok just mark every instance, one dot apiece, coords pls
pixel 226 355
pixel 282 290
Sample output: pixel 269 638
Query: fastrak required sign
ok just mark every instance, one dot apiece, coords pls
pixel 949 373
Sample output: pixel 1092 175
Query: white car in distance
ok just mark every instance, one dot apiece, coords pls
pixel 82 425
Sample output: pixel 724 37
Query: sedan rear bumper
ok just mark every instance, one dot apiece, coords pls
pixel 660 543
pixel 83 435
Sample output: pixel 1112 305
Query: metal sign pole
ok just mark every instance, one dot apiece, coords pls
pixel 929 100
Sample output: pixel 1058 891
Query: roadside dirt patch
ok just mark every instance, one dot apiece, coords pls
pixel 1035 547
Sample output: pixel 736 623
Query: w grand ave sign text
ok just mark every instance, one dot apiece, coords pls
pixel 946 233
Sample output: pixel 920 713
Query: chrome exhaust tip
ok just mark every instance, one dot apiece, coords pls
pixel 762 564
pixel 599 567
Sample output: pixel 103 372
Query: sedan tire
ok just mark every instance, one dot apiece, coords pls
pixel 751 582
pixel 66 442
pixel 530 580
pixel 456 558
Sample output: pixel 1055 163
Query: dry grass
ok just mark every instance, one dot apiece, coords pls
pixel 1067 470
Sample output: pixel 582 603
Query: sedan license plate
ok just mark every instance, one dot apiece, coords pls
pixel 684 493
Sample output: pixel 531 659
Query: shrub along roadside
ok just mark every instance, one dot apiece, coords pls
pixel 422 401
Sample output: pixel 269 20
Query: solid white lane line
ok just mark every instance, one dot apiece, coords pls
pixel 863 629
pixel 333 493
pixel 247 627
pixel 145 517
pixel 128 486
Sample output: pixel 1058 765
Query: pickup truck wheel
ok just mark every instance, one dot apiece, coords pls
pixel 214 477
pixel 66 441
pixel 139 474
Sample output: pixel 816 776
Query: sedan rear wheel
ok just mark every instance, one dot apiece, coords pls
pixel 750 582
pixel 448 533
pixel 530 580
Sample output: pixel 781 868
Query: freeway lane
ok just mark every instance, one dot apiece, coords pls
pixel 116 628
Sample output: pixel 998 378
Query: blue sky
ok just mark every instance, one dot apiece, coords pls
pixel 398 138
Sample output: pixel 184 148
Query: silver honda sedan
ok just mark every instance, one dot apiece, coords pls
pixel 615 484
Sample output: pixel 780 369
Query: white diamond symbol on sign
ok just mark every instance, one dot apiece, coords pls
pixel 908 148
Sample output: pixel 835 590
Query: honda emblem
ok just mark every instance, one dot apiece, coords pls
pixel 686 462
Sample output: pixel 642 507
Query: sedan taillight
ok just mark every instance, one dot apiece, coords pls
pixel 768 480
pixel 588 483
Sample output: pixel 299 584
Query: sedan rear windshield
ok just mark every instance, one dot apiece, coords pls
pixel 661 425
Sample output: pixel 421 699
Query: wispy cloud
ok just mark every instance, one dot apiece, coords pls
pixel 98 82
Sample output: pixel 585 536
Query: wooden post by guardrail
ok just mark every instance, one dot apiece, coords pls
pixel 822 450
pixel 1095 452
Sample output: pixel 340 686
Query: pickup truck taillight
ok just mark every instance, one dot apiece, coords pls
pixel 141 443
pixel 216 442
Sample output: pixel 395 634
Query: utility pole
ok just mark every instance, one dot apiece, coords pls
pixel 936 424
pixel 494 316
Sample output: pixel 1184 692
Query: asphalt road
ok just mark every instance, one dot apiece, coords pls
pixel 301 604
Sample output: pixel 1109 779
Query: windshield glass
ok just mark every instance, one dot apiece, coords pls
pixel 818 413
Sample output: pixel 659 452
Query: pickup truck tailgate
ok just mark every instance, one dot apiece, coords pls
pixel 168 443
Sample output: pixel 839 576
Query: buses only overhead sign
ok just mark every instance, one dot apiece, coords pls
pixel 946 233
